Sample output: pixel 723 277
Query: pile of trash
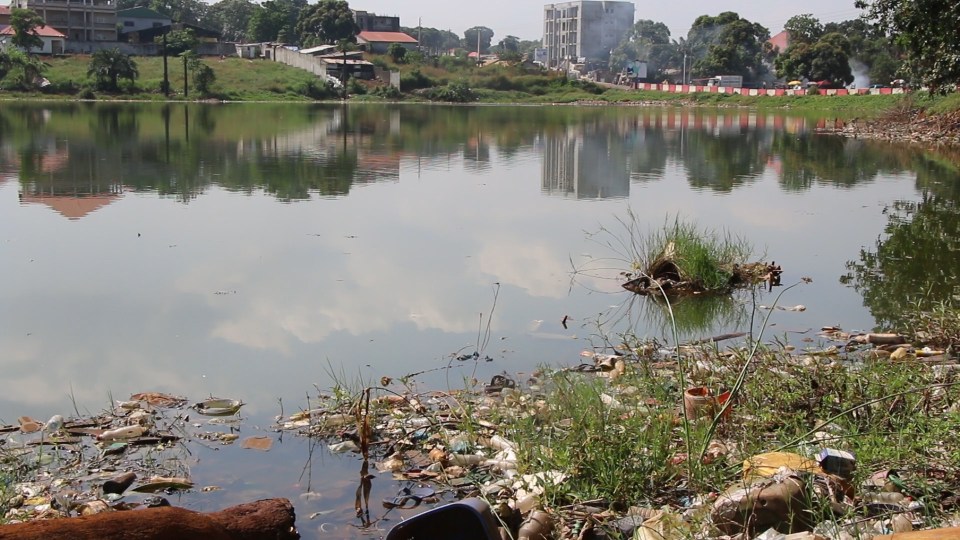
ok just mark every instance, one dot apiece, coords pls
pixel 443 446
pixel 125 458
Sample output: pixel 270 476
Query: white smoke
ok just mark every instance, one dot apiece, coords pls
pixel 861 77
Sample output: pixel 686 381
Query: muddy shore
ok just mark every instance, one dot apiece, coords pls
pixel 916 126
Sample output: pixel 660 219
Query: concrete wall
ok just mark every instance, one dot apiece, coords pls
pixel 298 60
pixel 691 88
pixel 387 76
pixel 143 49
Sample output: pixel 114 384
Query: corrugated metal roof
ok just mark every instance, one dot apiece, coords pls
pixel 385 37
pixel 140 13
pixel 319 48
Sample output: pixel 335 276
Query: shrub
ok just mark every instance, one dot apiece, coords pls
pixel 454 92
pixel 414 80
pixel 355 87
pixel 454 63
pixel 387 92
pixel 315 89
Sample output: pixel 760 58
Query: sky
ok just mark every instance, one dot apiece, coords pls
pixel 523 18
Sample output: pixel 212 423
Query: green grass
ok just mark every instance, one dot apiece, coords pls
pixel 236 79
pixel 703 256
pixel 261 80
pixel 890 415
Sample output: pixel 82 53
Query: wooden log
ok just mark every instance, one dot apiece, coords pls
pixel 268 519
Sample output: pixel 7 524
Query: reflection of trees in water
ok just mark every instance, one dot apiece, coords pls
pixel 917 262
pixel 696 317
pixel 294 151
pixel 723 162
pixel 807 159
pixel 115 124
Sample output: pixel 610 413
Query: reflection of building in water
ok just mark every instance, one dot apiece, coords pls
pixel 587 166
pixel 72 207
pixel 48 177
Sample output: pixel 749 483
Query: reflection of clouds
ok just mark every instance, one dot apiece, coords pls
pixel 46 371
pixel 525 263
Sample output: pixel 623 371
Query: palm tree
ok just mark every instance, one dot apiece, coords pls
pixel 109 65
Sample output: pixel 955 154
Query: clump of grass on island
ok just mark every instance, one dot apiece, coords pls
pixel 679 258
pixel 707 258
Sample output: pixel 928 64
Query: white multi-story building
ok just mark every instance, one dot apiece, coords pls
pixel 584 30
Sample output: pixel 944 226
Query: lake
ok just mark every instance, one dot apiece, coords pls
pixel 266 252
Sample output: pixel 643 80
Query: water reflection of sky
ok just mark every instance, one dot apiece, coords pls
pixel 240 294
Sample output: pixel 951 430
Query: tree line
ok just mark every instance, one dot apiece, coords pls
pixel 914 40
pixel 731 45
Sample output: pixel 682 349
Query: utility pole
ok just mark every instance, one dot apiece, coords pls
pixel 420 34
pixel 166 79
pixel 478 46
pixel 684 81
pixel 343 71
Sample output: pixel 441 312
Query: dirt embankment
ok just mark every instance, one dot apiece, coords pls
pixel 905 126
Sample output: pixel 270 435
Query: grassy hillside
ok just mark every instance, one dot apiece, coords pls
pixel 236 79
pixel 441 79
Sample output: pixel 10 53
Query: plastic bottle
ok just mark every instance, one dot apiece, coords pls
pixel 125 432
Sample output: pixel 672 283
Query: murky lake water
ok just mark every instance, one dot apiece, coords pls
pixel 262 251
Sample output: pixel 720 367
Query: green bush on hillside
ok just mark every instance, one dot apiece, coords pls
pixel 454 92
pixel 415 80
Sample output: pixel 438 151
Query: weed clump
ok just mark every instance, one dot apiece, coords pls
pixel 682 259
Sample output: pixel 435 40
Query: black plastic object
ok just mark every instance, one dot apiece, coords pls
pixel 468 519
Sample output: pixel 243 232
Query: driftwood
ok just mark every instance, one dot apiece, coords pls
pixel 268 519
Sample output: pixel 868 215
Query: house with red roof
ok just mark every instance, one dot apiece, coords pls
pixel 378 32
pixel 53 40
pixel 379 42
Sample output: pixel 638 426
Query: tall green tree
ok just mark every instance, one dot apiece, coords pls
pixel 648 41
pixel 470 39
pixel 432 40
pixel 831 60
pixel 232 18
pixel 509 44
pixel 24 23
pixel 179 41
pixel 872 51
pixel 926 31
pixel 827 59
pixel 202 75
pixel 326 22
pixel 274 20
pixel 727 45
pixel 803 29
pixel 183 11
pixel 397 52
pixel 108 66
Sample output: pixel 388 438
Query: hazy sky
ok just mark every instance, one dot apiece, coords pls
pixel 523 18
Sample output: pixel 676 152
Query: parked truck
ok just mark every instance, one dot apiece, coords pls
pixel 734 81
